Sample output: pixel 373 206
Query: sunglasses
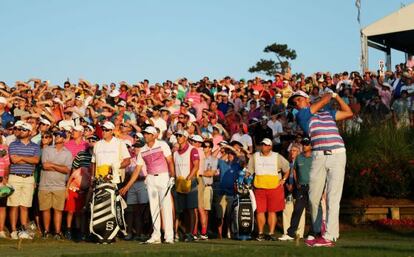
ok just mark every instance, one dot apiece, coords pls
pixel 178 135
pixel 91 140
pixel 43 137
pixel 181 117
pixel 106 130
pixel 68 113
pixel 206 146
pixel 124 125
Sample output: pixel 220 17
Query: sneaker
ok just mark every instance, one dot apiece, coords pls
pixel 310 237
pixel 24 235
pixel 14 235
pixel 195 237
pixel 153 241
pixel 189 238
pixel 204 237
pixel 68 235
pixel 270 237
pixel 129 237
pixel 58 236
pixel 260 237
pixel 285 237
pixel 46 235
pixel 310 241
pixel 177 238
pixel 322 242
pixel 170 242
pixel 3 235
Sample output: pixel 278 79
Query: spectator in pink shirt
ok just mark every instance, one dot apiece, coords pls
pixel 76 144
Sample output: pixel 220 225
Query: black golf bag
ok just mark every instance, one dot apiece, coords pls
pixel 243 209
pixel 107 212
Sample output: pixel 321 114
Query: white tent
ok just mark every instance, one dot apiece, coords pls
pixel 394 31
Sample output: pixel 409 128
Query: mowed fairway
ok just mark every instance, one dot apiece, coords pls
pixel 370 243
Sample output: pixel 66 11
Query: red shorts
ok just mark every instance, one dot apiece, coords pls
pixel 270 200
pixel 75 201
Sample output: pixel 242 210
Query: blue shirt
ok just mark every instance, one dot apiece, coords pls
pixel 29 150
pixel 229 172
pixel 6 117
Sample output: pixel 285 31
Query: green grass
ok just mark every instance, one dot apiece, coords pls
pixel 370 243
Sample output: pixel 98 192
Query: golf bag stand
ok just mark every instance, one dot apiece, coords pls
pixel 107 212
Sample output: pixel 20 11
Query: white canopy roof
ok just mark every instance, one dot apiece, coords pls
pixel 395 30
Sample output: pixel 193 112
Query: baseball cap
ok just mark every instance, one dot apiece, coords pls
pixel 108 125
pixel 139 143
pixel 297 94
pixel 45 121
pixel 255 92
pixel 60 133
pixel 305 141
pixel 94 138
pixel 122 103
pixel 78 128
pixel 26 126
pixel 181 132
pixel 150 130
pixel 266 141
pixel 197 138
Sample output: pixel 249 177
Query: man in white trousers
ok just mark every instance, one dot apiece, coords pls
pixel 156 155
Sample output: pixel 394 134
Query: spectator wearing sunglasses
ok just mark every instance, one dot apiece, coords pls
pixel 24 155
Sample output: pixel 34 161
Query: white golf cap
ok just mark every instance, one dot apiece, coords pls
pixel 255 92
pixel 45 121
pixel 150 130
pixel 267 141
pixel 26 125
pixel 296 94
pixel 108 125
pixel 182 132
pixel 78 128
pixel 197 138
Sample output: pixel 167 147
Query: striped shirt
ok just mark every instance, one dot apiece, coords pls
pixel 82 159
pixel 29 150
pixel 321 128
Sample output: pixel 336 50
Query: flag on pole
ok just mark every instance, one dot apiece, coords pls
pixel 358 6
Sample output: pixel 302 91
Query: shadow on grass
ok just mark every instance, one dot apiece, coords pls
pixel 380 248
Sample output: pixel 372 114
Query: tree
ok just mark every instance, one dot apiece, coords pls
pixel 270 67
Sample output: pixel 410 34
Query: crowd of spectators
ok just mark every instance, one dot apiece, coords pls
pixel 55 140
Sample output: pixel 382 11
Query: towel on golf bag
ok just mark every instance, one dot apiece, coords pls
pixel 107 212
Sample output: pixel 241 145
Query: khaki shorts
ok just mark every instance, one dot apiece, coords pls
pixel 205 195
pixel 51 200
pixel 23 191
pixel 208 197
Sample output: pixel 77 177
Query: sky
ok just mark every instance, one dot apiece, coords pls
pixel 107 41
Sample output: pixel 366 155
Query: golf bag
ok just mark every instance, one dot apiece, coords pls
pixel 107 212
pixel 244 206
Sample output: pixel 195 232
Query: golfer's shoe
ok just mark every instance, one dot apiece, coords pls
pixel 285 237
pixel 204 237
pixel 3 235
pixel 270 237
pixel 322 242
pixel 260 237
pixel 170 242
pixel 153 241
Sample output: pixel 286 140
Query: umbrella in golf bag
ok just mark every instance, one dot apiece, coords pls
pixel 107 212
pixel 244 206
